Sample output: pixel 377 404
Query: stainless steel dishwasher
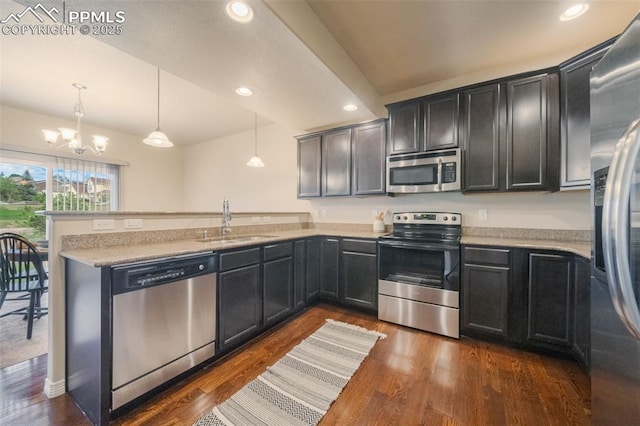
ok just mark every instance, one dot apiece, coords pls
pixel 163 322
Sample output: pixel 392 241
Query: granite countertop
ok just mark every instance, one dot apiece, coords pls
pixel 581 248
pixel 117 255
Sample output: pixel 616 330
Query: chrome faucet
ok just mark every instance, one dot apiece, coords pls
pixel 226 217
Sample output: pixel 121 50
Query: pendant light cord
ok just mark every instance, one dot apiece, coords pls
pixel 255 129
pixel 158 98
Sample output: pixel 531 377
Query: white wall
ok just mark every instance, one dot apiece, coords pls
pixel 217 169
pixel 152 181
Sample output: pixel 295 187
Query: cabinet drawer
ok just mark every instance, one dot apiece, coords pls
pixel 486 256
pixel 360 246
pixel 238 259
pixel 277 251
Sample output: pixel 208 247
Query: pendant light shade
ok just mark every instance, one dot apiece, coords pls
pixel 255 161
pixel 157 137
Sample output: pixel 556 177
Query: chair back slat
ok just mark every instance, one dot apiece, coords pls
pixel 20 264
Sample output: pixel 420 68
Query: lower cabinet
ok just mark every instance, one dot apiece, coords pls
pixel 359 273
pixel 299 273
pixel 278 282
pixel 536 299
pixel 329 273
pixel 239 298
pixel 550 299
pixel 582 311
pixel 486 285
pixel 312 269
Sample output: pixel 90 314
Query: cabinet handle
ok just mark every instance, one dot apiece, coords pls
pixel 615 228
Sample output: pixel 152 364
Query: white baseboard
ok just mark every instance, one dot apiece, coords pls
pixel 54 389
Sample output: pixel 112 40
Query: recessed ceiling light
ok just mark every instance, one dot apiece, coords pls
pixel 574 11
pixel 244 91
pixel 350 107
pixel 239 11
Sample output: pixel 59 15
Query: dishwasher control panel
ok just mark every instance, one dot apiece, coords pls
pixel 138 275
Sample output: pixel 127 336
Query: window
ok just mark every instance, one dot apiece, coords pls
pixel 31 182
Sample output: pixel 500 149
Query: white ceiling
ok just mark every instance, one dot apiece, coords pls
pixel 304 60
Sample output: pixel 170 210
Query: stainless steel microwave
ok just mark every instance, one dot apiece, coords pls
pixel 435 171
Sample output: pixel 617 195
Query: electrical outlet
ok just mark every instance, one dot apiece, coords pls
pixel 104 224
pixel 482 215
pixel 323 213
pixel 266 219
pixel 132 223
pixel 256 219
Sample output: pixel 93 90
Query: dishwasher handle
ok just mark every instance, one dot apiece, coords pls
pixel 136 276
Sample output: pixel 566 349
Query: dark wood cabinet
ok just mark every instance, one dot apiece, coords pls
pixel 310 166
pixel 511 137
pixel 483 125
pixel 312 272
pixel 486 281
pixel 239 298
pixel 278 282
pixel 440 124
pixel 575 118
pixel 344 161
pixel 550 299
pixel 582 311
pixel 329 273
pixel 299 273
pixel 336 163
pixel 533 148
pixel 359 273
pixel 404 128
pixel 369 158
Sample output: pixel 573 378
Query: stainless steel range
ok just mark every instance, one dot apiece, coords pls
pixel 419 272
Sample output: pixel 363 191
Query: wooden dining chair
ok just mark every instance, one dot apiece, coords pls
pixel 22 272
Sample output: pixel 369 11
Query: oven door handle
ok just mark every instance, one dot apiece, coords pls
pixel 439 173
pixel 418 246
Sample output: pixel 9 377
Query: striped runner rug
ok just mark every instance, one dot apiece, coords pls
pixel 300 387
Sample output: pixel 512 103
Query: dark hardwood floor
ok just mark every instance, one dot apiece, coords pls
pixel 410 378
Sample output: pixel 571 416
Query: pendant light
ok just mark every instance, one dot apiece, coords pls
pixel 255 161
pixel 157 137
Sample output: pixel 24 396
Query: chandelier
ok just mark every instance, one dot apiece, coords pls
pixel 72 137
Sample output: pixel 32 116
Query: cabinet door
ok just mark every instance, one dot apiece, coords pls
pixel 309 167
pixel 441 122
pixel 582 311
pixel 485 299
pixel 329 261
pixel 278 290
pixel 359 285
pixel 313 269
pixel 575 119
pixel 299 271
pixel 482 131
pixel 550 289
pixel 531 133
pixel 404 128
pixel 336 163
pixel 369 159
pixel 239 306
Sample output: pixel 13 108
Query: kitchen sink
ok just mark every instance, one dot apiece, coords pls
pixel 233 240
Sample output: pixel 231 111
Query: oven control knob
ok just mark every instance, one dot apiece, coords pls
pixel 445 218
pixel 405 218
pixel 453 218
pixel 398 218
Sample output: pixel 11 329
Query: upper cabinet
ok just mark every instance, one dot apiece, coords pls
pixel 510 135
pixel 575 118
pixel 533 135
pixel 345 161
pixel 441 122
pixel 426 124
pixel 404 128
pixel 309 166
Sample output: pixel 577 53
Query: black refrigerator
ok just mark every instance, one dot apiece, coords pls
pixel 615 263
